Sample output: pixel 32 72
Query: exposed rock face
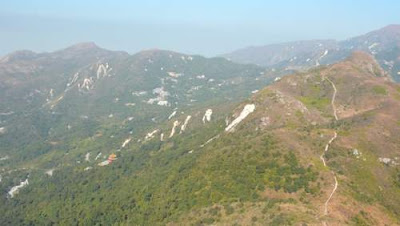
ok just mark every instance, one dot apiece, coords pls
pixel 14 190
pixel 176 124
pixel 249 108
pixel 207 116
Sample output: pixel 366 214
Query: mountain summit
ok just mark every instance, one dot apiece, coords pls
pixel 83 46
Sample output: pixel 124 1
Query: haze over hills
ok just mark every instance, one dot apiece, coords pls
pixel 384 44
pixel 91 136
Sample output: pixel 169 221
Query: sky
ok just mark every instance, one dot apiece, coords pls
pixel 206 27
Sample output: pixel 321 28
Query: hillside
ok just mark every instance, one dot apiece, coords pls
pixel 298 54
pixel 333 136
pixel 384 44
pixel 49 100
pixel 314 147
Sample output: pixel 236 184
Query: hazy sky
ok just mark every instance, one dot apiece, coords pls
pixel 207 27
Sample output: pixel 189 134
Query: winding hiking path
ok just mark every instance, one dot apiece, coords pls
pixel 326 205
pixel 330 196
pixel 327 148
pixel 333 99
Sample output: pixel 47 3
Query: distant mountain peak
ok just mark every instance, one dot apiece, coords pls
pixel 390 32
pixel 86 49
pixel 154 51
pixel 18 55
pixel 157 53
pixel 83 46
pixel 392 27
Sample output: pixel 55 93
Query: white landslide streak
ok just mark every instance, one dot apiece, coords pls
pixel 126 142
pixel 54 103
pixel 6 113
pixel 87 157
pixel 50 172
pixel 176 123
pixel 171 115
pixel 98 156
pixel 4 158
pixel 209 141
pixel 207 115
pixel 151 134
pixel 183 127
pixel 249 108
pixel 101 71
pixel 323 55
pixel 14 190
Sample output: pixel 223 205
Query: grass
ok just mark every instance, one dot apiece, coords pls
pixel 379 90
pixel 360 219
pixel 319 103
pixel 365 185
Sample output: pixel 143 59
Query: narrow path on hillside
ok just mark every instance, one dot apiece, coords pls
pixel 322 157
pixel 333 99
pixel 327 148
pixel 330 196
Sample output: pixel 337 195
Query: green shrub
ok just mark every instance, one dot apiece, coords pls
pixel 379 90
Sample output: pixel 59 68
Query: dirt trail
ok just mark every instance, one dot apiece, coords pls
pixel 327 148
pixel 333 99
pixel 330 196
pixel 326 205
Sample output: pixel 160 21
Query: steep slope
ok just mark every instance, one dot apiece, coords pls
pixel 342 123
pixel 72 109
pixel 293 55
pixel 24 75
pixel 318 147
pixel 31 85
pixel 384 44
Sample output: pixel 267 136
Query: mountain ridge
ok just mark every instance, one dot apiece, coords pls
pixel 383 43
pixel 90 136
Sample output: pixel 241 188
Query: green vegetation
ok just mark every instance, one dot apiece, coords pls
pixel 314 102
pixel 362 219
pixel 281 219
pixel 289 176
pixel 379 90
pixel 153 182
pixel 266 173
pixel 156 183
